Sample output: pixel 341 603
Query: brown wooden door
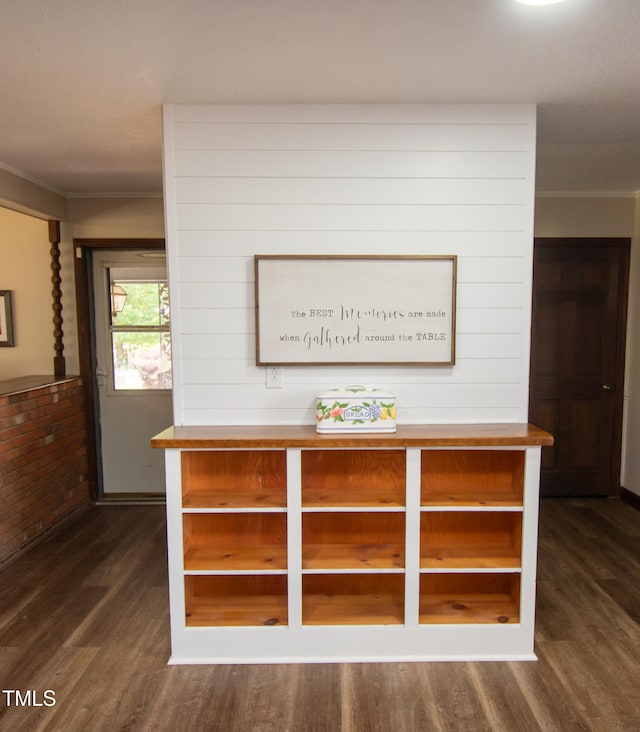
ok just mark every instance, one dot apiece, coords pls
pixel 578 333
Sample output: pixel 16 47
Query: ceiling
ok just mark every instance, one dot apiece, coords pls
pixel 82 81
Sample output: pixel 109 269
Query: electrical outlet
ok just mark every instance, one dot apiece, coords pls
pixel 273 377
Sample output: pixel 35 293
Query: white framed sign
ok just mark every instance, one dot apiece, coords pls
pixel 355 309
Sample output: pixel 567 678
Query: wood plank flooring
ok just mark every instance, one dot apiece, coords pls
pixel 86 615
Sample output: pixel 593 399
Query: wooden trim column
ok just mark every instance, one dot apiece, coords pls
pixel 59 364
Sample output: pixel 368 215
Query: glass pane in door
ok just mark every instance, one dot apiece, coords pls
pixel 140 340
pixel 141 360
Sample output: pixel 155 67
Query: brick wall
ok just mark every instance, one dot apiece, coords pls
pixel 43 463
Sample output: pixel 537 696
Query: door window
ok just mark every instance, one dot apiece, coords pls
pixel 139 328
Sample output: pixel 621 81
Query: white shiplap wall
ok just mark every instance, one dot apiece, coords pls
pixel 342 179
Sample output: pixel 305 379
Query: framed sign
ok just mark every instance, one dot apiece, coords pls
pixel 355 310
pixel 6 319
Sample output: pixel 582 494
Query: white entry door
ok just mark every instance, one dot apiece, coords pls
pixel 133 369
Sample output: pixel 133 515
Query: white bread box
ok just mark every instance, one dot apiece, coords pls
pixel 356 408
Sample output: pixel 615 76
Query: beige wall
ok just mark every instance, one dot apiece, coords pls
pixel 566 216
pixel 97 218
pixel 101 218
pixel 25 270
pixel 20 194
pixel 24 246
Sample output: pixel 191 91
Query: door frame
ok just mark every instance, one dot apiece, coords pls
pixel 82 254
pixel 623 244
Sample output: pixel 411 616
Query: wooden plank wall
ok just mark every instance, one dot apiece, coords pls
pixel 354 179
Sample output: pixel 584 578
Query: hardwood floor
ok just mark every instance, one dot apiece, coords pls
pixel 86 616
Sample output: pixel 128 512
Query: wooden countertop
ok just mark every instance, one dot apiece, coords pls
pixel 423 435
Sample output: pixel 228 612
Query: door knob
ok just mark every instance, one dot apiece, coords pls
pixel 606 387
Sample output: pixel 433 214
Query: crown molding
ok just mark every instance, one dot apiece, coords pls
pixel 112 194
pixel 31 179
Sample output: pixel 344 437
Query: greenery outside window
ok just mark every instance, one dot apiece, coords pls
pixel 140 337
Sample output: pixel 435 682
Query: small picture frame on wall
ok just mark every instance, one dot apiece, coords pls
pixel 6 319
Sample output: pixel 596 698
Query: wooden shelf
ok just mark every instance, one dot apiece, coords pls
pixel 471 558
pixel 353 599
pixel 469 598
pixel 234 479
pixel 373 498
pixel 488 500
pixel 353 540
pixel 472 539
pixel 236 600
pixel 235 541
pixel 353 478
pixel 218 500
pixel 233 558
pixel 472 477
pixel 357 556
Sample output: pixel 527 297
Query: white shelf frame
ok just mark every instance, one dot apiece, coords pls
pixel 408 641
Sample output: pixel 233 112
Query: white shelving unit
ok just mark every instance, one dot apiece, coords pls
pixel 286 546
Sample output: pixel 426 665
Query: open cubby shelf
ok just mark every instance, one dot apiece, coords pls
pixel 353 599
pixel 472 539
pixel 357 547
pixel 472 477
pixel 361 478
pixel 469 598
pixel 235 600
pixel 234 479
pixel 353 540
pixel 235 541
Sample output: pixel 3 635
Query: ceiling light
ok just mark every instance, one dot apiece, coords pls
pixel 538 2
